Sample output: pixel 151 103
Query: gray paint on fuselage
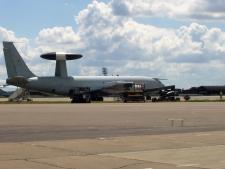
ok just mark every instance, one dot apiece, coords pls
pixel 20 75
pixel 62 85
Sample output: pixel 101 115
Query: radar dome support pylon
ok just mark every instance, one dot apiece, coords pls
pixel 60 68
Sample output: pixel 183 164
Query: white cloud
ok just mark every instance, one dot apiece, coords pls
pixel 114 37
pixel 21 43
pixel 7 35
pixel 89 71
pixel 58 39
pixel 46 68
pixel 215 39
pixel 176 9
pixel 64 35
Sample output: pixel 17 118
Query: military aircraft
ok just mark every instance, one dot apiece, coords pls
pixel 82 89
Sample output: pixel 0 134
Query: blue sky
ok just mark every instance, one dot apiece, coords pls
pixel 183 41
pixel 27 17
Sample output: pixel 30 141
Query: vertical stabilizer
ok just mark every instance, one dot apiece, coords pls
pixel 15 65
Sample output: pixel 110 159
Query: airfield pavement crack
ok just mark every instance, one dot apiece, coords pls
pixel 73 153
pixel 48 164
pixel 144 162
pixel 128 165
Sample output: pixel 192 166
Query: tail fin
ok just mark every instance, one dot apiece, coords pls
pixel 15 65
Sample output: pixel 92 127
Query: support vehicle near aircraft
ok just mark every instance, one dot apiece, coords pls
pixel 81 89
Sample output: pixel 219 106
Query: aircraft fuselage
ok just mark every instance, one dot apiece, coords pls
pixel 62 86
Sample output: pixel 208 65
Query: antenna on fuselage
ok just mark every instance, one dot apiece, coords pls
pixel 61 58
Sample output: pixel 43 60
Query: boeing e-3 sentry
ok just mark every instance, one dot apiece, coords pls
pixel 78 88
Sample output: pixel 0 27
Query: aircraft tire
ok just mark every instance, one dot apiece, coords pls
pixel 73 100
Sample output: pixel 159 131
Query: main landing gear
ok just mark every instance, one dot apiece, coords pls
pixel 81 98
pixel 80 95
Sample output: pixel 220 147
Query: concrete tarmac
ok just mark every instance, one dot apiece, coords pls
pixel 28 122
pixel 113 135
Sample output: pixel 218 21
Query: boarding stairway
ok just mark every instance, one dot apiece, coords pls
pixel 20 95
